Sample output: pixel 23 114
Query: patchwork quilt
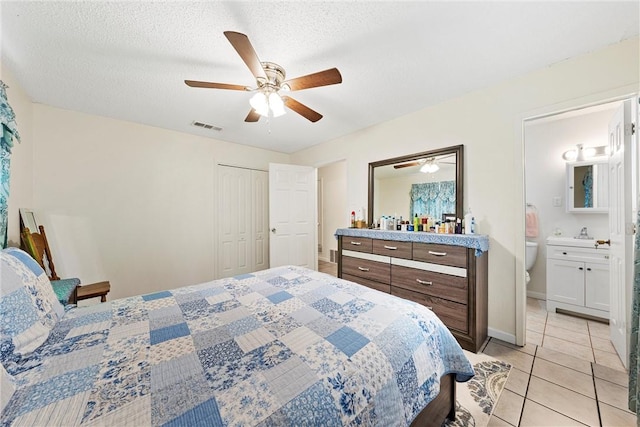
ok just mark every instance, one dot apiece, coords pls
pixel 285 346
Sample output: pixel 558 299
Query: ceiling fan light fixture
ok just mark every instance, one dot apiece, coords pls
pixel 430 167
pixel 276 104
pixel 260 103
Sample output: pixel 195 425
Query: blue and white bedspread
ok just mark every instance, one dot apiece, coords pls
pixel 286 346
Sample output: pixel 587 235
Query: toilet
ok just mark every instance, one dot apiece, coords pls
pixel 531 251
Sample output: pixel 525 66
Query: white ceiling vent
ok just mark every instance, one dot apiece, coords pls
pixel 206 126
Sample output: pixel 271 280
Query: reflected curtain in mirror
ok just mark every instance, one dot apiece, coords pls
pixel 433 199
pixel 8 132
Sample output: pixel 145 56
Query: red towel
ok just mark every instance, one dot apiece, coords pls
pixel 531 224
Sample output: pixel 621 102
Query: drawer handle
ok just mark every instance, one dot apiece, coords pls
pixel 580 268
pixel 564 253
pixel 424 282
pixel 356 243
pixel 391 248
pixel 363 269
pixel 438 253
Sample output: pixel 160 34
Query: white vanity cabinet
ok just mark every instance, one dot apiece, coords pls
pixel 578 277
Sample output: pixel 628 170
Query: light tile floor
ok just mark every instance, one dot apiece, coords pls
pixel 568 373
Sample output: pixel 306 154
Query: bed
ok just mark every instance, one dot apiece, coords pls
pixel 284 346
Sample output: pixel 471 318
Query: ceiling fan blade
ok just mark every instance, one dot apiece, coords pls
pixel 253 116
pixel 211 85
pixel 321 78
pixel 406 165
pixel 242 45
pixel 302 109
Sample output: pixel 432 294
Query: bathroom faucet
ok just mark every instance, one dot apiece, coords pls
pixel 583 234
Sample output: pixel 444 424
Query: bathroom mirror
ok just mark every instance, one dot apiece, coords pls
pixel 588 187
pixel 426 183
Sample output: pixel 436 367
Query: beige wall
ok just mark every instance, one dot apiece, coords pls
pixel 489 124
pixel 129 203
pixel 21 186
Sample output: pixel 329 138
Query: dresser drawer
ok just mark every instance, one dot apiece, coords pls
pixel 372 270
pixel 440 254
pixel 392 248
pixel 452 314
pixel 382 287
pixel 360 244
pixel 453 288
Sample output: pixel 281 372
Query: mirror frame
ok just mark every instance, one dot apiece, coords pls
pixel 458 150
pixel 27 218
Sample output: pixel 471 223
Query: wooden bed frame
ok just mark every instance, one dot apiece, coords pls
pixel 442 407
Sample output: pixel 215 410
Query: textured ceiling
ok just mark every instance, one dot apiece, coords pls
pixel 129 60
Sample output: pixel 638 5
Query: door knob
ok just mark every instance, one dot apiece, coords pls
pixel 273 230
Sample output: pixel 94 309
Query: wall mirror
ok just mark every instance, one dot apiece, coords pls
pixel 588 187
pixel 428 183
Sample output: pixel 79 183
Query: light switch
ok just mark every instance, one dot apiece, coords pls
pixel 557 201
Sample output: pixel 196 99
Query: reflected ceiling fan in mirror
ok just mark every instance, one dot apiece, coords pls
pixel 270 83
pixel 428 165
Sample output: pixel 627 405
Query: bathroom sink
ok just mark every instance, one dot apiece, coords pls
pixel 571 241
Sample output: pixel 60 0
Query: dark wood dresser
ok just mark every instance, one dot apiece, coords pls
pixel 449 279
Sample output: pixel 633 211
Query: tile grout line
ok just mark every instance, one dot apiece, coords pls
pixel 595 390
pixel 526 392
pixel 593 375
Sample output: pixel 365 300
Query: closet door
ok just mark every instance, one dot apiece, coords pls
pixel 260 219
pixel 234 215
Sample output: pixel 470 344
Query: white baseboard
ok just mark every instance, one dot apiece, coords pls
pixel 536 295
pixel 503 336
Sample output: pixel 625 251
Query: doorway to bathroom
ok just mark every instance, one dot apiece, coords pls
pixel 551 145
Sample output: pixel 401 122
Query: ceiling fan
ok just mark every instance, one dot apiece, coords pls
pixel 270 82
pixel 421 162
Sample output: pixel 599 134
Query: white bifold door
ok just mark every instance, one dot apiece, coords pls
pixel 243 220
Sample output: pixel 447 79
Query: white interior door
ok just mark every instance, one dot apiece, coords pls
pixel 620 228
pixel 293 216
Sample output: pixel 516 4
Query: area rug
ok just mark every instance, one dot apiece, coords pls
pixel 476 398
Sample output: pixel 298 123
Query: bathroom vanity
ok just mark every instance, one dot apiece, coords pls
pixel 578 276
pixel 445 272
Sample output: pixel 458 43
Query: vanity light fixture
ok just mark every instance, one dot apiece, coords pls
pixel 430 166
pixel 581 153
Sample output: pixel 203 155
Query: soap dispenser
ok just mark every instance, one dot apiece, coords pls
pixel 469 223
